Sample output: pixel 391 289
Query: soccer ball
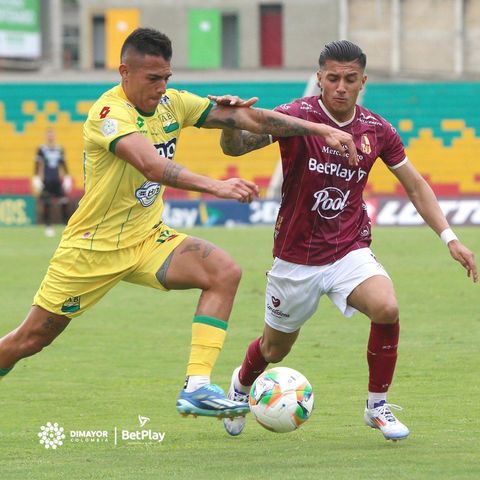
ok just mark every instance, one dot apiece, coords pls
pixel 281 399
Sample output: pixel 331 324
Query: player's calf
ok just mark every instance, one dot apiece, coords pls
pixel 37 331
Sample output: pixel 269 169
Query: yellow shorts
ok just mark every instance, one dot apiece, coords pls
pixel 78 278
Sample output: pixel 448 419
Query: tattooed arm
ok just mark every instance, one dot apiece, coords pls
pixel 142 155
pixel 264 122
pixel 239 142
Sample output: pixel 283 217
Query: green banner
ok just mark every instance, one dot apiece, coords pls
pixel 204 38
pixel 20 15
pixel 17 211
pixel 20 29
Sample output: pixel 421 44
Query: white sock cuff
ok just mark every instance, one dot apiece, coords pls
pixel 376 397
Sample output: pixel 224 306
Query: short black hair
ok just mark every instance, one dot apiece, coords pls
pixel 342 51
pixel 147 41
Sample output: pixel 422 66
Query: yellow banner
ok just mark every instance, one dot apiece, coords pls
pixel 119 23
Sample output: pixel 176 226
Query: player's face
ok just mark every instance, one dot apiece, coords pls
pixel 50 137
pixel 144 80
pixel 341 83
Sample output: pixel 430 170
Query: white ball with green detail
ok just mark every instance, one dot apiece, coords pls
pixel 281 399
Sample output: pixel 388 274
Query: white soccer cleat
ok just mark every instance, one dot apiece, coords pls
pixel 235 426
pixel 382 418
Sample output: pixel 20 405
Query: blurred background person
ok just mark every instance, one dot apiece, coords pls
pixel 51 180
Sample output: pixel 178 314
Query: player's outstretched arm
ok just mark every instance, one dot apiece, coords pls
pixel 141 154
pixel 426 203
pixel 266 122
pixel 238 142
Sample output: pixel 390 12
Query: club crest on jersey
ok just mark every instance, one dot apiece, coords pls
pixel 148 193
pixel 366 147
pixel 330 202
pixel 169 122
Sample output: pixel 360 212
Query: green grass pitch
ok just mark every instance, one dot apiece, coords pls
pixel 127 356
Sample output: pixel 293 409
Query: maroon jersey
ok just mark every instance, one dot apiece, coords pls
pixel 322 215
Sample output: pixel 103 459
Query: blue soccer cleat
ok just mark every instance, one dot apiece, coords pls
pixel 210 401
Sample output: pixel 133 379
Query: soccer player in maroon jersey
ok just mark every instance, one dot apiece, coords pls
pixel 323 233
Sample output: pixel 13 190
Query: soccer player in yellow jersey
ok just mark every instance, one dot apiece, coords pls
pixel 117 232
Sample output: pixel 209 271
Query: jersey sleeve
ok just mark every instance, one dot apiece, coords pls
pixel 109 121
pixel 39 157
pixel 393 152
pixel 192 109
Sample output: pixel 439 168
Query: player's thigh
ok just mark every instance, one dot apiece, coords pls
pixel 197 263
pixel 292 295
pixel 155 257
pixel 77 278
pixel 345 276
pixel 375 297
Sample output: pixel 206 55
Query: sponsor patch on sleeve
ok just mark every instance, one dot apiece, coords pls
pixel 109 127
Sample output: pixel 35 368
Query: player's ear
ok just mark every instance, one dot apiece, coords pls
pixel 319 78
pixel 364 81
pixel 123 70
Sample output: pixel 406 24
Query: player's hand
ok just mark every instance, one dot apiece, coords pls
pixel 37 185
pixel 338 140
pixel 232 100
pixel 67 184
pixel 238 189
pixel 464 256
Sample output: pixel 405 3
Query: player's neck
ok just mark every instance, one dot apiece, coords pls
pixel 340 118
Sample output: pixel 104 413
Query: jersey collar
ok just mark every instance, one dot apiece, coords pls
pixel 121 93
pixel 332 118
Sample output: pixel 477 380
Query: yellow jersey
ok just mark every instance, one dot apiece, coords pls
pixel 120 206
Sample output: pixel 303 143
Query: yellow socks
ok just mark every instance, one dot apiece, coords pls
pixel 208 335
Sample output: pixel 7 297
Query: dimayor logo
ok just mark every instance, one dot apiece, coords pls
pixel 51 435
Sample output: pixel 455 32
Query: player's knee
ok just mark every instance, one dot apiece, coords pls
pixel 228 274
pixel 387 313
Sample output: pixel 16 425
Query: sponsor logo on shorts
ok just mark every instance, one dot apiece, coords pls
pixel 166 236
pixel 330 202
pixel 275 301
pixel 71 305
pixel 147 193
pixel 275 311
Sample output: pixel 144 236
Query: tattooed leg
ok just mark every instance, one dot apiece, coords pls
pixel 196 263
pixel 37 331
